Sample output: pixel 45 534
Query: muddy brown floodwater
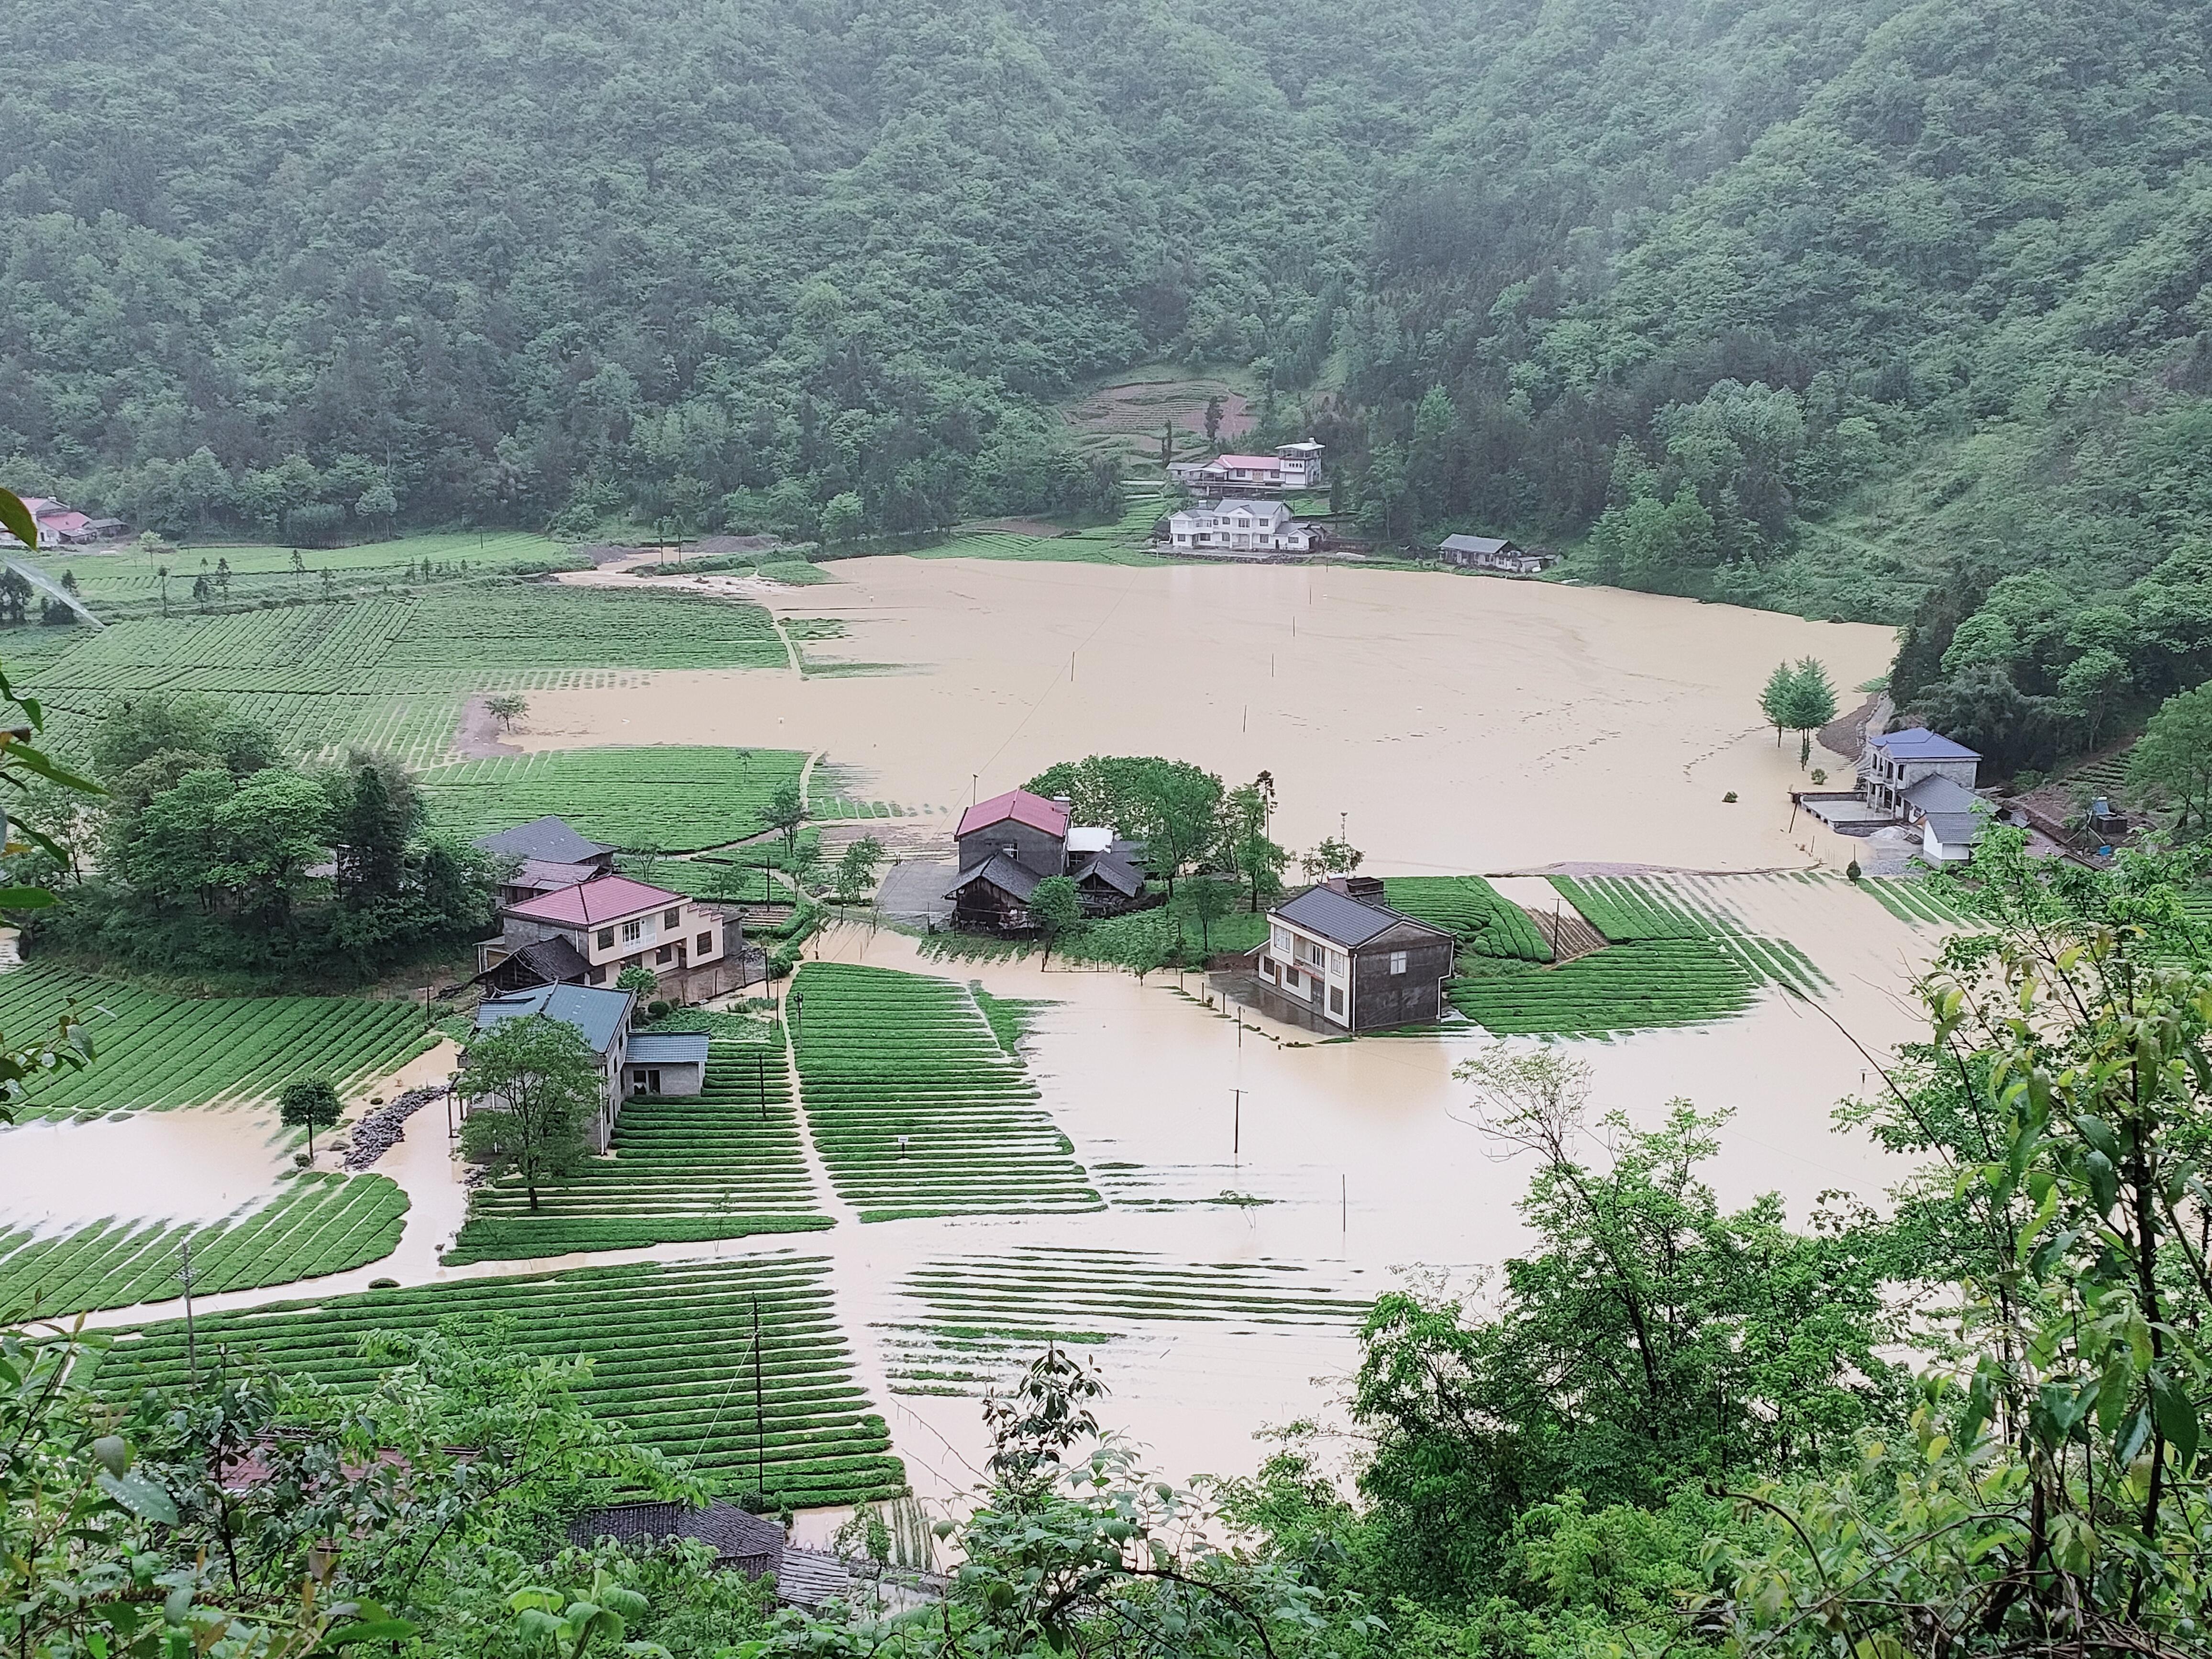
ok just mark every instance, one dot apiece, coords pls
pixel 1448 723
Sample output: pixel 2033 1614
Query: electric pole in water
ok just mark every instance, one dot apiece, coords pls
pixel 1236 1125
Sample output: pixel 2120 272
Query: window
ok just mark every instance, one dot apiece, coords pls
pixel 1397 962
pixel 1336 998
pixel 1281 939
pixel 1311 954
pixel 672 919
pixel 633 932
pixel 1289 979
pixel 665 955
pixel 706 945
pixel 607 939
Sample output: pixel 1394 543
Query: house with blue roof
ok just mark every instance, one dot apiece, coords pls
pixel 1927 779
pixel 640 1063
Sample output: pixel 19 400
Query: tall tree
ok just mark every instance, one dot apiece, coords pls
pixel 533 1085
pixel 2173 763
pixel 309 1103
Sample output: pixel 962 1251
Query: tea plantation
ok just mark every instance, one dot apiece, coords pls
pixel 1482 921
pixel 721 1164
pixel 1915 901
pixel 673 1351
pixel 670 797
pixel 886 1058
pixel 977 1318
pixel 157 1051
pixel 321 1224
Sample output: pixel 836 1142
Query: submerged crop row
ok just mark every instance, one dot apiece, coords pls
pixel 321 1224
pixel 915 1107
pixel 156 1050
pixel 673 1351
pixel 720 1165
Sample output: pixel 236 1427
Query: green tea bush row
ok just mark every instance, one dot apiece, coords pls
pixel 321 1223
pixel 1627 911
pixel 1915 900
pixel 156 1050
pixel 977 1318
pixel 1625 987
pixel 886 1058
pixel 720 1165
pixel 1478 916
pixel 672 1347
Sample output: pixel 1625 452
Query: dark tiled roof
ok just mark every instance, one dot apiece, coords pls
pixel 1342 920
pixel 597 1015
pixel 548 838
pixel 1937 795
pixel 1116 873
pixel 1480 544
pixel 738 1538
pixel 553 961
pixel 1001 872
pixel 1956 829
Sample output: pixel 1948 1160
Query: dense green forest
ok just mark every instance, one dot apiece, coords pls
pixel 1856 309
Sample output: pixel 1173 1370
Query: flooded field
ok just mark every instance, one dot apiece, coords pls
pixel 1257 1190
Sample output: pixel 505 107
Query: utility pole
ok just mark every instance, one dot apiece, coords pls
pixel 1343 1204
pixel 1237 1124
pixel 760 1409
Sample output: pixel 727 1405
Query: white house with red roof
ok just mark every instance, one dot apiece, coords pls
pixel 60 525
pixel 1010 843
pixel 587 932
pixel 1291 467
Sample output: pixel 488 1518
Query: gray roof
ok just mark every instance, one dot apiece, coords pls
pixel 1937 795
pixel 1003 873
pixel 1114 871
pixel 1955 829
pixel 666 1048
pixel 548 838
pixel 555 961
pixel 597 1015
pixel 1345 921
pixel 1919 743
pixel 1485 545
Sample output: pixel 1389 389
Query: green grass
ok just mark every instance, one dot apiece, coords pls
pixel 1477 917
pixel 320 1223
pixel 977 1318
pixel 883 1055
pixel 715 878
pixel 721 1164
pixel 1634 987
pixel 796 573
pixel 393 670
pixel 1141 936
pixel 130 577
pixel 156 1050
pixel 1124 542
pixel 672 1351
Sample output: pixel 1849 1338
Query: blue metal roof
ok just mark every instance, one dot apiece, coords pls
pixel 666 1048
pixel 1919 743
pixel 597 1015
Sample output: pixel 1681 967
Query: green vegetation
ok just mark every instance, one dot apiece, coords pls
pixel 1470 907
pixel 532 1084
pixel 671 1347
pixel 157 1051
pixel 1623 987
pixel 127 582
pixel 1009 1018
pixel 320 1223
pixel 1916 900
pixel 721 1164
pixel 666 797
pixel 977 1318
pixel 915 1107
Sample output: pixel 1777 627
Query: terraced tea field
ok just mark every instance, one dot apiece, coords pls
pixel 673 1351
pixel 1915 901
pixel 321 1223
pixel 669 797
pixel 721 1164
pixel 1482 921
pixel 979 1318
pixel 1628 910
pixel 916 1108
pixel 1623 987
pixel 156 1050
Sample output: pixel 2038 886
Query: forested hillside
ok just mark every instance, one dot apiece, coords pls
pixel 1853 308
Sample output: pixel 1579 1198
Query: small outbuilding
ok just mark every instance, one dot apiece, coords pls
pixel 666 1063
pixel 1351 959
pixel 1494 553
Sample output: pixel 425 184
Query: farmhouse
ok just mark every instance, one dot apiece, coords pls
pixel 1340 952
pixel 593 929
pixel 1291 467
pixel 1239 527
pixel 548 840
pixel 1493 553
pixel 1011 843
pixel 600 1017
pixel 59 524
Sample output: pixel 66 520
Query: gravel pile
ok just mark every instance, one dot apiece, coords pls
pixel 380 1131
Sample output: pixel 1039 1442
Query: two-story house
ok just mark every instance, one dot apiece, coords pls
pixel 592 930
pixel 1239 527
pixel 601 1018
pixel 1291 467
pixel 1927 779
pixel 1341 953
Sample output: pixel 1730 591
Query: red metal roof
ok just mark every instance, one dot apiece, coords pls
pixel 1021 806
pixel 589 903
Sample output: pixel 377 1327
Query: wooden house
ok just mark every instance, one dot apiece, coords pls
pixel 1493 553
pixel 1011 843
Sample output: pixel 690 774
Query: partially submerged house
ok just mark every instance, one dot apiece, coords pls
pixel 1338 953
pixel 1913 778
pixel 1291 467
pixel 1893 762
pixel 588 932
pixel 1494 553
pixel 600 1017
pixel 1240 528
pixel 1013 842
